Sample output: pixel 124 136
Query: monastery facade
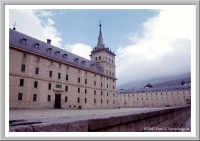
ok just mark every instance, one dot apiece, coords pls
pixel 42 76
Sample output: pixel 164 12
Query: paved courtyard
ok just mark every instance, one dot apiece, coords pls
pixel 56 113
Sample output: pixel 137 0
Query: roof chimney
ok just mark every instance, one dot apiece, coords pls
pixel 49 41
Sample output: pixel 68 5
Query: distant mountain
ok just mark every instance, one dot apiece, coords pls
pixel 156 82
pixel 172 82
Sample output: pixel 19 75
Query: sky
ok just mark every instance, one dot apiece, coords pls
pixel 148 43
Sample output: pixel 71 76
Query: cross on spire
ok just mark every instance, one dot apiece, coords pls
pixel 14 25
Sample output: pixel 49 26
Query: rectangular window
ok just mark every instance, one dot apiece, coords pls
pixel 86 73
pixel 59 65
pixel 58 75
pixel 78 100
pixel 107 101
pixel 38 59
pixel 79 80
pixel 66 99
pixel 85 81
pixel 107 93
pixel 99 57
pixel 34 97
pixel 59 86
pixel 23 67
pixel 101 93
pixel 50 73
pixel 21 82
pixel 66 88
pixel 94 100
pixel 95 83
pixel 113 87
pixel 101 100
pixel 78 90
pixel 20 96
pixel 95 58
pixel 113 94
pixel 67 67
pixel 79 71
pixel 51 63
pixel 85 91
pixel 101 84
pixel 49 87
pixel 35 84
pixel 36 70
pixel 66 77
pixel 107 85
pixel 94 91
pixel 24 55
pixel 48 98
pixel 85 100
pixel 113 101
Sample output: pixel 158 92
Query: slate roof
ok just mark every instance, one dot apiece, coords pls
pixel 16 39
pixel 156 89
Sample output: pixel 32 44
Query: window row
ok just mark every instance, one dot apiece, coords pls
pixel 20 96
pixel 167 98
pixel 23 68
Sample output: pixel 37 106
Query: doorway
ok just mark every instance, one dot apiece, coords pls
pixel 57 101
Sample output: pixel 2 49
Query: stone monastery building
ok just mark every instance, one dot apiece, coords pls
pixel 42 76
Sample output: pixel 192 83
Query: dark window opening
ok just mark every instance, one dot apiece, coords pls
pixel 78 90
pixel 35 84
pixel 34 97
pixel 50 73
pixel 20 96
pixel 49 87
pixel 79 79
pixel 23 67
pixel 21 82
pixel 36 70
pixel 24 55
pixel 85 100
pixel 78 100
pixel 85 81
pixel 66 77
pixel 65 99
pixel 49 98
pixel 94 100
pixel 66 88
pixel 85 91
pixel 58 75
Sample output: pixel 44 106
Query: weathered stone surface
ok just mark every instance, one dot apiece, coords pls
pixel 115 122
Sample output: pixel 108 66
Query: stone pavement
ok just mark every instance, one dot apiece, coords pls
pixel 56 113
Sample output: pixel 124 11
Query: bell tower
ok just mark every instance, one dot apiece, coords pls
pixel 104 56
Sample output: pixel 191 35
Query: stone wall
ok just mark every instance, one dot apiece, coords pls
pixel 164 120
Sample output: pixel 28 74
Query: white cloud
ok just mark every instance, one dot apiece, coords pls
pixel 163 50
pixel 50 22
pixel 79 49
pixel 43 13
pixel 29 24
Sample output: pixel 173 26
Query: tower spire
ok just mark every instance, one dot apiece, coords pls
pixel 100 38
